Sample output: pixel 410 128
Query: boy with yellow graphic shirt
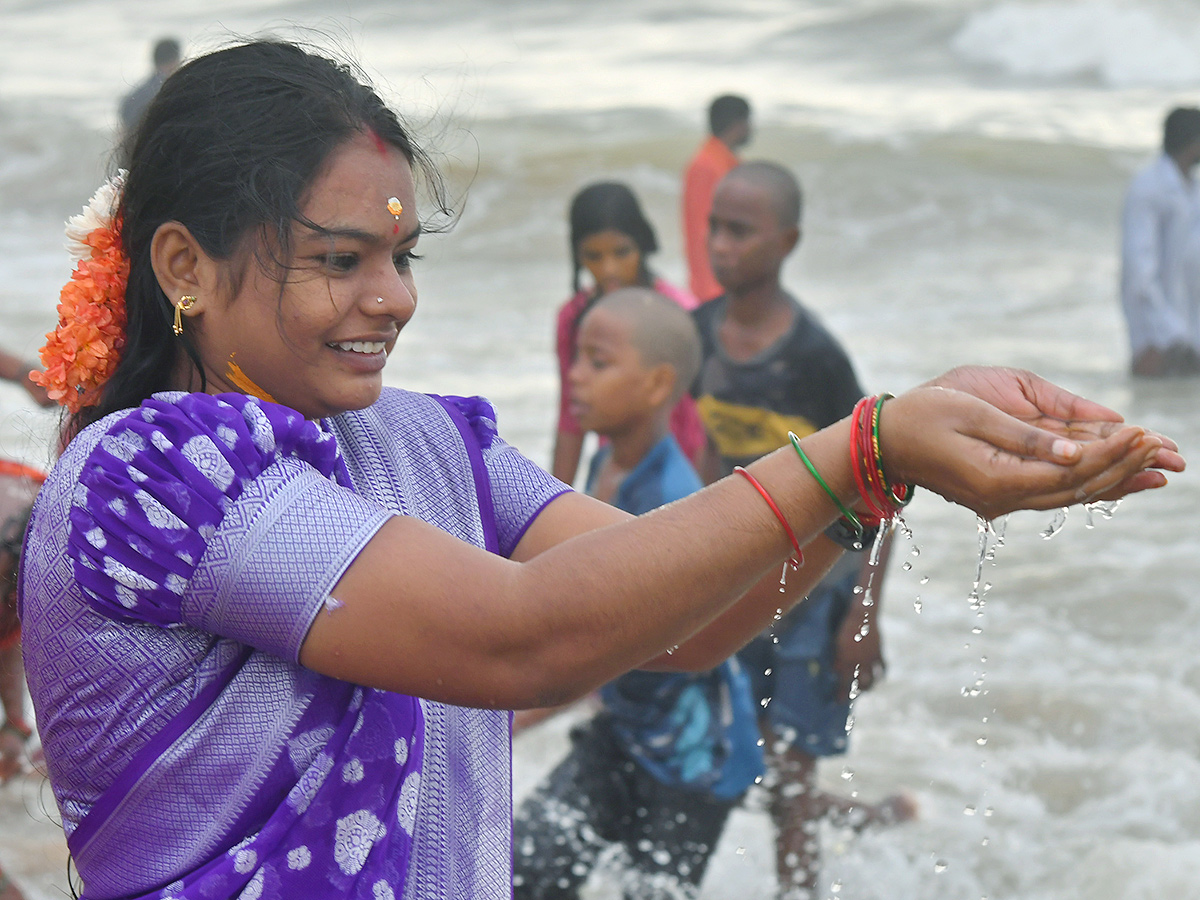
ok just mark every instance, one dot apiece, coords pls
pixel 770 367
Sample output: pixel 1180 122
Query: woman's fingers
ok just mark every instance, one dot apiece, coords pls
pixel 1023 394
pixel 1023 482
pixel 974 454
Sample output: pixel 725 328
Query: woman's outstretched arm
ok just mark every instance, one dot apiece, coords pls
pixel 591 593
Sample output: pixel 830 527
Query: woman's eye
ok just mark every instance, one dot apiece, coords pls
pixel 405 260
pixel 340 262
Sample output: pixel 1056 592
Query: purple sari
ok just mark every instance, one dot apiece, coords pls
pixel 178 555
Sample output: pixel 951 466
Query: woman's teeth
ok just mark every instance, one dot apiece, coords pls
pixel 360 346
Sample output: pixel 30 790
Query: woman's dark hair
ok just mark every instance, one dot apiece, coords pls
pixel 229 147
pixel 610 206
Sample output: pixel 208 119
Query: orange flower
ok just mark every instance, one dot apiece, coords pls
pixel 82 353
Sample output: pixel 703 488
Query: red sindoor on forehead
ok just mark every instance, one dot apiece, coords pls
pixel 378 141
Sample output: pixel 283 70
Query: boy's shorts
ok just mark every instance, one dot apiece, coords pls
pixel 598 799
pixel 803 706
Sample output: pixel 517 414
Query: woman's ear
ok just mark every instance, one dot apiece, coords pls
pixel 181 265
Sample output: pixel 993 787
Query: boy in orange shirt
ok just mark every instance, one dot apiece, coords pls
pixel 729 127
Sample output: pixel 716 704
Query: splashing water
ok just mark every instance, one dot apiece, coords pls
pixel 991 538
pixel 1056 524
pixel 1106 509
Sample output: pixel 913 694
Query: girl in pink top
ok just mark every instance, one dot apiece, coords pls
pixel 612 239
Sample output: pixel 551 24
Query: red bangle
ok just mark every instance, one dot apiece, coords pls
pixel 798 560
pixel 883 500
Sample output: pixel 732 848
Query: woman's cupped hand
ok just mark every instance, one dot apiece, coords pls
pixel 997 440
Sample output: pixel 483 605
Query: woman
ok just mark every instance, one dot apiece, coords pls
pixel 612 240
pixel 273 616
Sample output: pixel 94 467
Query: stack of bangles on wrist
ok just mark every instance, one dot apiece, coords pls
pixel 853 531
pixel 856 531
pixel 19 728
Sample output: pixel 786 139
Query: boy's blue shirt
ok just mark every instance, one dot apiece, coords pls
pixel 696 731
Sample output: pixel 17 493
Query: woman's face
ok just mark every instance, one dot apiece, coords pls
pixel 612 258
pixel 319 342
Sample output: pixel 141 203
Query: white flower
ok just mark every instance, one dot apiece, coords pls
pixel 98 213
pixel 253 890
pixel 356 834
pixel 406 808
pixel 353 771
pixel 300 858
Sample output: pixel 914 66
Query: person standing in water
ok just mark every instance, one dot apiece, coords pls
pixel 729 131
pixel 611 240
pixel 1160 255
pixel 656 773
pixel 165 59
pixel 771 374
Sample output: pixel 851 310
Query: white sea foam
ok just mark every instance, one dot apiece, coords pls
pixel 1120 44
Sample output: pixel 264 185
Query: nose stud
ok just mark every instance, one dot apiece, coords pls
pixel 378 299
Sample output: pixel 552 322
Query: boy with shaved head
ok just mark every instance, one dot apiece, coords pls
pixel 771 368
pixel 650 781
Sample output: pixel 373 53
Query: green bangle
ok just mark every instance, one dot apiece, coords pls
pixel 891 491
pixel 847 513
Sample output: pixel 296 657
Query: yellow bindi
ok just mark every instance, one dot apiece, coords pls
pixel 395 207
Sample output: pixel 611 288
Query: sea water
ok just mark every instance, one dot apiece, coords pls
pixel 964 163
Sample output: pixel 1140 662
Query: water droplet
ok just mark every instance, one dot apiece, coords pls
pixel 969 811
pixel 984 842
pixel 940 866
pixel 741 851
pixel 847 773
pixel 836 887
pixel 915 551
pixel 907 567
pixel 918 605
pixel 1056 524
pixel 924 580
pixel 988 811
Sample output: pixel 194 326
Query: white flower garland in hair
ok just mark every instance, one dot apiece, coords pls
pixel 99 212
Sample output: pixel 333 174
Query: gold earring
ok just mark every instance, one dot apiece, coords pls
pixel 186 302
